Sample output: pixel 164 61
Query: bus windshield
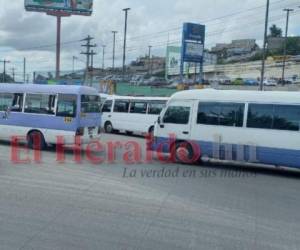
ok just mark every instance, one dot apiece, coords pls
pixel 66 105
pixel 90 104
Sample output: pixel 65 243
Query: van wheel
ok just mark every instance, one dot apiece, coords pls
pixel 151 131
pixel 36 140
pixel 108 128
pixel 184 153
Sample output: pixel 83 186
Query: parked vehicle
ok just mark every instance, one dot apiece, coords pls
pixel 49 112
pixel 131 114
pixel 238 81
pixel 260 127
pixel 270 82
pixel 251 82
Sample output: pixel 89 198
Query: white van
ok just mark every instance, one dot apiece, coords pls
pixel 243 126
pixel 131 114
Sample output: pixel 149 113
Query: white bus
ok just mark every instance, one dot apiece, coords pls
pixel 250 126
pixel 131 114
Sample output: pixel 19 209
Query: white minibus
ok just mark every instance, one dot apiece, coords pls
pixel 250 126
pixel 131 114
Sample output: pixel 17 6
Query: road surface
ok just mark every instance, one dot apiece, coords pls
pixel 51 205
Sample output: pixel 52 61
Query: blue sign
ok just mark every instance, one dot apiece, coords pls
pixel 194 32
pixel 192 50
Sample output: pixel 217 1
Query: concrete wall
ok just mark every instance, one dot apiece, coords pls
pixel 251 70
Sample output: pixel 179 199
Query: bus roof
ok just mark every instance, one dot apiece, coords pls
pixel 239 96
pixel 139 98
pixel 51 89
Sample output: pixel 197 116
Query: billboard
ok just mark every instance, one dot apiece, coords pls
pixel 173 60
pixel 193 39
pixel 192 50
pixel 75 7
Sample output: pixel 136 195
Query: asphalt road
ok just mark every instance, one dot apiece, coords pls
pixel 52 205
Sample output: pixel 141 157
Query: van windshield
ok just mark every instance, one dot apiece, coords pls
pixel 90 104
pixel 66 105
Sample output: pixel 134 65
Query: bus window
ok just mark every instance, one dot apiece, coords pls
pixel 5 101
pixel 260 116
pixel 223 114
pixel 155 108
pixel 177 115
pixel 121 106
pixel 90 104
pixel 66 106
pixel 280 117
pixel 107 106
pixel 39 104
pixel 286 117
pixel 208 114
pixel 138 107
pixel 17 103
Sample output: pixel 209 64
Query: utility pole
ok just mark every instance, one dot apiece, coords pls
pixel 264 47
pixel 58 16
pixel 125 37
pixel 88 53
pixel 93 53
pixel 4 69
pixel 150 61
pixel 73 63
pixel 24 70
pixel 285 43
pixel 114 49
pixel 103 57
pixel 13 73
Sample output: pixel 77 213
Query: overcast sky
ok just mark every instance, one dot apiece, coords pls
pixel 151 22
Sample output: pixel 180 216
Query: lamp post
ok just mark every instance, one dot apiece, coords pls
pixel 125 37
pixel 264 47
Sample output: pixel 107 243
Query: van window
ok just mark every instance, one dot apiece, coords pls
pixel 106 108
pixel 138 107
pixel 121 106
pixel 155 108
pixel 286 117
pixel 222 114
pixel 40 104
pixel 66 106
pixel 177 115
pixel 17 103
pixel 5 101
pixel 267 116
pixel 90 104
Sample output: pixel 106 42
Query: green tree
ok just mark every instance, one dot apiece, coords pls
pixel 275 31
pixel 293 46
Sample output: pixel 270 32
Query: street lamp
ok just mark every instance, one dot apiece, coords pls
pixel 125 36
pixel 285 42
pixel 264 47
pixel 114 49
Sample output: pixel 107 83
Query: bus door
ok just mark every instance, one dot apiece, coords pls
pixel 176 120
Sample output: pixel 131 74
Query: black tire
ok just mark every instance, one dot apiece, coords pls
pixel 129 133
pixel 108 128
pixel 36 135
pixel 151 131
pixel 183 153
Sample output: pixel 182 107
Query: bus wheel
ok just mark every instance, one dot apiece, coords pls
pixel 129 133
pixel 36 140
pixel 151 131
pixel 108 128
pixel 184 153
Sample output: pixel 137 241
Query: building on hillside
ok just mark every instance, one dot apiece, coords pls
pixel 237 50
